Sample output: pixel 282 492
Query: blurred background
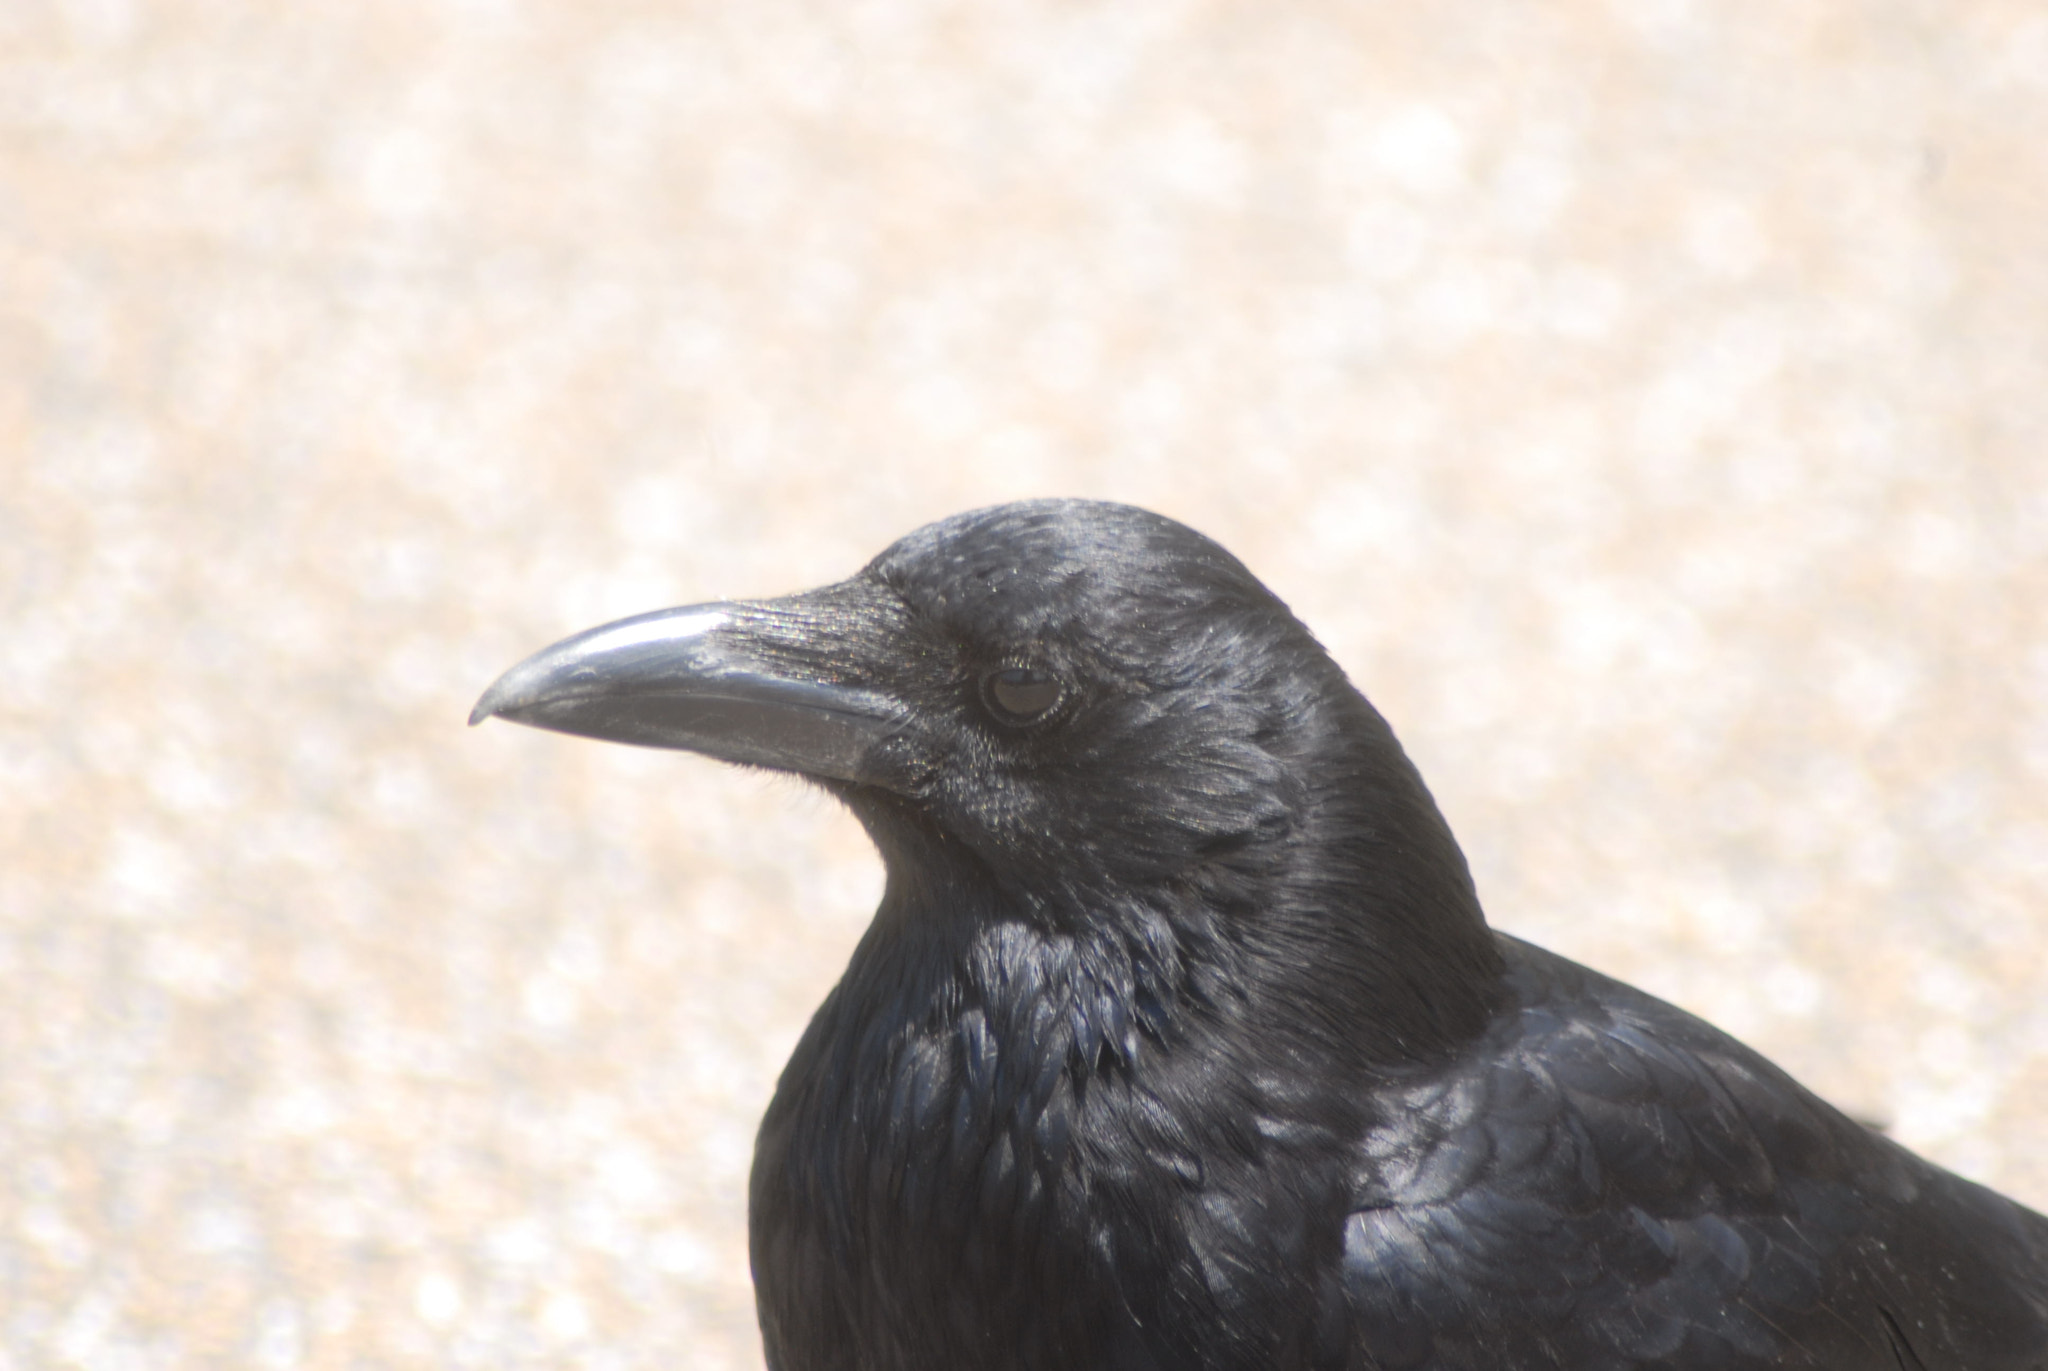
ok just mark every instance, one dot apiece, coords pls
pixel 1647 401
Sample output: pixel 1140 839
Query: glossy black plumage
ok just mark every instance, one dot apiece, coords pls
pixel 1179 1040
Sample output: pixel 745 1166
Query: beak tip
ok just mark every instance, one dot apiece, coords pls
pixel 491 703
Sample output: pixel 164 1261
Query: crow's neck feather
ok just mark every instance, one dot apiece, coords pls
pixel 1010 1075
pixel 1347 942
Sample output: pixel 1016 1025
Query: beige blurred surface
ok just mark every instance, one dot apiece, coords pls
pixel 1647 401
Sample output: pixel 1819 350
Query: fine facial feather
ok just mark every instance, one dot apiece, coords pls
pixel 1179 1040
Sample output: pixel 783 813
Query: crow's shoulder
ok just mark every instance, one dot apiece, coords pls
pixel 1607 1181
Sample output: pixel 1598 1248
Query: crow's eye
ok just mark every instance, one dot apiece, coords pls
pixel 1019 694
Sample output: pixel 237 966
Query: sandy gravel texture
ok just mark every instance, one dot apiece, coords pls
pixel 1647 401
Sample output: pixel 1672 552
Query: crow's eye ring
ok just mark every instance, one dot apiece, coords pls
pixel 1021 694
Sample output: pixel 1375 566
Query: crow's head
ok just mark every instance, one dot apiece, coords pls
pixel 1070 700
pixel 1055 685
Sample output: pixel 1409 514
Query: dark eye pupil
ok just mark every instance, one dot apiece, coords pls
pixel 1022 692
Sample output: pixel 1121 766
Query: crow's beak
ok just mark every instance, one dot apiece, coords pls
pixel 761 682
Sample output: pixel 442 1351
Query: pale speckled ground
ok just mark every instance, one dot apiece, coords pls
pixel 1646 400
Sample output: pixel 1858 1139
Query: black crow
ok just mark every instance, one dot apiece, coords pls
pixel 1179 1039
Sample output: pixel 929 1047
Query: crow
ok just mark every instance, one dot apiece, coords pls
pixel 1179 1040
